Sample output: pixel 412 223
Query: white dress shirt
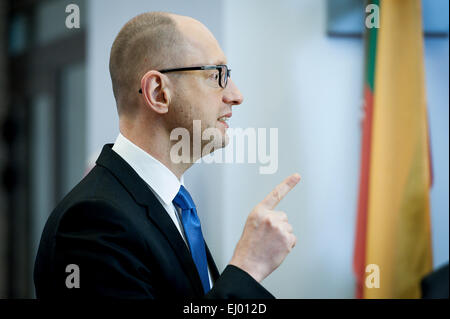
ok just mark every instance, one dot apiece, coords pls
pixel 162 182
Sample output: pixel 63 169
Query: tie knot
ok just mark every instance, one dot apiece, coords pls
pixel 184 199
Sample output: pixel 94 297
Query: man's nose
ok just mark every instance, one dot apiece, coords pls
pixel 232 95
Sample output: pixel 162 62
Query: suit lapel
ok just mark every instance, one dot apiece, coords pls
pixel 156 212
pixel 212 265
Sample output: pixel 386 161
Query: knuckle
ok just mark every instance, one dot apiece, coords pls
pixel 286 241
pixel 276 194
pixel 289 228
pixel 267 220
pixel 279 228
pixel 254 220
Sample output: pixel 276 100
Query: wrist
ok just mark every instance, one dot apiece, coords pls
pixel 252 271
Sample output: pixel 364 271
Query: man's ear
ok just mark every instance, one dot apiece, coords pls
pixel 156 91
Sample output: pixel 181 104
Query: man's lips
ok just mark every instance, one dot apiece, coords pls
pixel 226 115
pixel 223 119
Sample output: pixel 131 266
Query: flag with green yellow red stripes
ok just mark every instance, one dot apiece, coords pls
pixel 393 229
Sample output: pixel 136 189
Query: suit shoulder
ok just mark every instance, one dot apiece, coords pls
pixel 98 199
pixel 93 209
pixel 98 186
pixel 98 183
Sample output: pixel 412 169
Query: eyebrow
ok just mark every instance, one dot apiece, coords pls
pixel 218 62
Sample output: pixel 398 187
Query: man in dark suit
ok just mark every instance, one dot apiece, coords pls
pixel 130 229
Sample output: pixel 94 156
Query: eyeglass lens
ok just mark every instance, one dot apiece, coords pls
pixel 223 76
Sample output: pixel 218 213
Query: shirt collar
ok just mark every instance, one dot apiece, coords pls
pixel 160 179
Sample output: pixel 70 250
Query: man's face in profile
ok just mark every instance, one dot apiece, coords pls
pixel 197 94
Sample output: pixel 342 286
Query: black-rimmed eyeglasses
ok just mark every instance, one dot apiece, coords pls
pixel 224 72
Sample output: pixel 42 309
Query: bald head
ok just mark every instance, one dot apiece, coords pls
pixel 154 41
pixel 149 41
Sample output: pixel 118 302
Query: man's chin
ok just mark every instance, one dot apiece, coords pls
pixel 225 140
pixel 219 141
pixel 221 138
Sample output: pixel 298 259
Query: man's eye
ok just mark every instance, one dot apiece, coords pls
pixel 215 76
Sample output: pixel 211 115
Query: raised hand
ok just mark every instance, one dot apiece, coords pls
pixel 267 237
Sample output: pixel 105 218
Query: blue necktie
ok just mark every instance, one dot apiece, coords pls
pixel 193 231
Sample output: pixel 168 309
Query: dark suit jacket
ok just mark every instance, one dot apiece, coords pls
pixel 116 231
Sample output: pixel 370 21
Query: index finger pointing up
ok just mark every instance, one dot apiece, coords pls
pixel 278 193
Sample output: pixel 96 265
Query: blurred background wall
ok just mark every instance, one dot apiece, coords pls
pixel 3 107
pixel 294 76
